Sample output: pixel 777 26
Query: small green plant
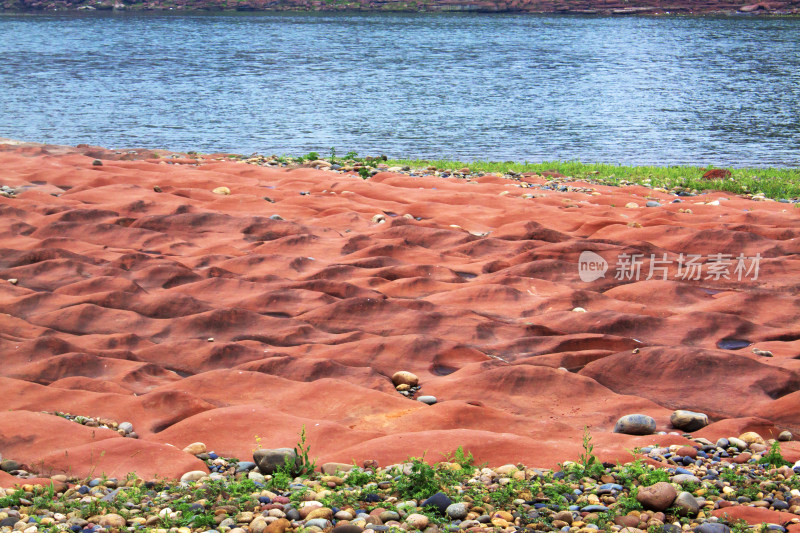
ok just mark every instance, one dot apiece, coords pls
pixel 421 483
pixel 364 173
pixel 750 491
pixel 357 477
pixel 690 486
pixel 307 465
pixel 654 476
pixel 280 479
pixel 628 502
pixel 740 526
pixel 731 475
pixel 463 459
pixel 12 499
pixel 587 459
pixel 774 457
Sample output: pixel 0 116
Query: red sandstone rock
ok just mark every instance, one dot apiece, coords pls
pixel 198 317
pixel 755 515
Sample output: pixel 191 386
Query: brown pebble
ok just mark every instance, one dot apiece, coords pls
pixel 687 451
pixel 278 526
pixel 742 458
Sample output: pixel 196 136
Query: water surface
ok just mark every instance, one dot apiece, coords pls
pixel 641 90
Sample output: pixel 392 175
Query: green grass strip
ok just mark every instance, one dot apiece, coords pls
pixel 776 183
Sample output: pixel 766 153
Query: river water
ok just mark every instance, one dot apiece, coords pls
pixel 628 90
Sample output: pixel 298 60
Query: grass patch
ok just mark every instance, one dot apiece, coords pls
pixel 774 183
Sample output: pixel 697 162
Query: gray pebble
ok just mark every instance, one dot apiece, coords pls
pixel 457 511
pixel 635 424
pixel 712 527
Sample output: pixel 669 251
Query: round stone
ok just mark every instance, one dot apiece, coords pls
pixel 222 190
pixel 417 521
pixel 404 377
pixel 750 437
pixel 112 520
pixel 347 528
pixel 269 460
pixel 322 512
pixel 457 511
pixel 785 436
pixel 737 443
pixel 430 400
pixel 657 497
pixel 687 504
pixel 688 420
pixel 635 425
pixel 256 476
pixel 194 475
pixel 195 448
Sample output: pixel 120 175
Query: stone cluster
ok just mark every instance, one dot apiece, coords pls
pixel 697 487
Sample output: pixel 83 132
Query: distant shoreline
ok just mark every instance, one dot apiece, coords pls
pixel 540 7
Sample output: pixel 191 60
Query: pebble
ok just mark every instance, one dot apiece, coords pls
pixel 440 500
pixel 688 420
pixel 196 448
pixel 751 437
pixel 269 460
pixel 417 521
pixel 657 497
pixel 687 504
pixel 635 424
pixel 303 505
pixel 738 443
pixel 457 511
pixel 430 400
pixel 711 527
pixel 404 377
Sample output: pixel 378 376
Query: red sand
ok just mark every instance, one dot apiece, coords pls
pixel 120 289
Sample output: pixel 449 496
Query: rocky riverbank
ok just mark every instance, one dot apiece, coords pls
pixel 574 7
pixel 741 483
